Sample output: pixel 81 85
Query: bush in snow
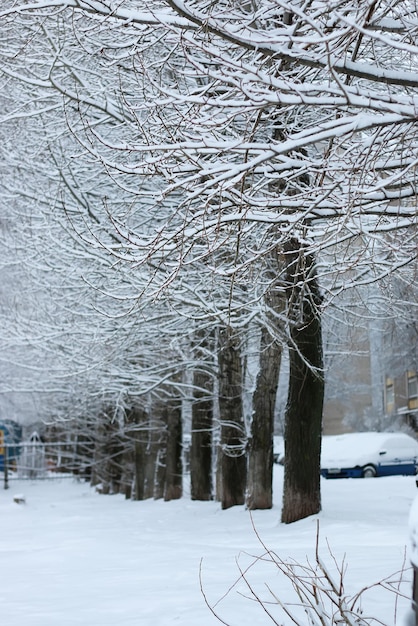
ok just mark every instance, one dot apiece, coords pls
pixel 314 592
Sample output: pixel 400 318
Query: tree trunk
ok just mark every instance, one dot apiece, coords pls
pixel 174 465
pixel 303 419
pixel 202 428
pixel 132 481
pixel 140 437
pixel 108 454
pixel 138 492
pixel 127 477
pixel 155 439
pixel 260 461
pixel 160 468
pixel 85 449
pixel 233 464
pixel 159 411
pixel 151 452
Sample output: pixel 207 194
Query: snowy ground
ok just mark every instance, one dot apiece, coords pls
pixel 72 557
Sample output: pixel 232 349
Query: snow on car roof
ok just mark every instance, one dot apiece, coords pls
pixel 348 448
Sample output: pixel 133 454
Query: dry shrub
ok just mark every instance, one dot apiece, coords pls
pixel 320 597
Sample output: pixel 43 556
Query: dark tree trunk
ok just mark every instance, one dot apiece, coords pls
pixel 233 463
pixel 132 481
pixel 127 478
pixel 108 454
pixel 151 452
pixel 85 449
pixel 260 461
pixel 140 437
pixel 303 420
pixel 154 438
pixel 160 469
pixel 174 465
pixel 202 428
pixel 159 411
pixel 138 492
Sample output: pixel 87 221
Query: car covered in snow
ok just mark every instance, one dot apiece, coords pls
pixel 366 455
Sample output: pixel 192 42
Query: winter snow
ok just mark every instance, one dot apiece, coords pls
pixel 70 556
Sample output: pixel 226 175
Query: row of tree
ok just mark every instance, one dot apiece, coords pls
pixel 194 174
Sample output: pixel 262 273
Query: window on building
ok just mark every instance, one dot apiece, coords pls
pixel 412 390
pixel 389 396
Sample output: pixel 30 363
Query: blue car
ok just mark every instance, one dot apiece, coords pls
pixel 367 455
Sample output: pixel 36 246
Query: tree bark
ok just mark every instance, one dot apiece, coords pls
pixel 133 458
pixel 108 454
pixel 127 477
pixel 160 469
pixel 140 442
pixel 260 461
pixel 160 448
pixel 154 479
pixel 174 466
pixel 138 493
pixel 202 429
pixel 151 452
pixel 233 464
pixel 303 419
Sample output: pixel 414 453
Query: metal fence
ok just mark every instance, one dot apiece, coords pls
pixel 39 460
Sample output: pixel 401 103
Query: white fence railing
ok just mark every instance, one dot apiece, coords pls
pixel 39 460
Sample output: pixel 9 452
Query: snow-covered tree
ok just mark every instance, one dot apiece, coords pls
pixel 248 128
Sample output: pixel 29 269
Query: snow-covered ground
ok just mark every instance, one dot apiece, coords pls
pixel 72 557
